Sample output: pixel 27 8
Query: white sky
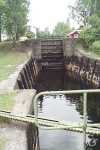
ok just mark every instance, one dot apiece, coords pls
pixel 46 13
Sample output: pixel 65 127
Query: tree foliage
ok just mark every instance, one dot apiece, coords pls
pixel 91 28
pixel 2 11
pixel 30 35
pixel 61 29
pixel 88 36
pixel 14 17
pixel 84 10
pixel 79 13
pixel 44 34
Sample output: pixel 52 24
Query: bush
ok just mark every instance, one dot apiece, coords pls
pixel 87 37
pixel 30 35
pixel 95 47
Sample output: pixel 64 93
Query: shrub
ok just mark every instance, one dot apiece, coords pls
pixel 87 37
pixel 95 47
pixel 30 35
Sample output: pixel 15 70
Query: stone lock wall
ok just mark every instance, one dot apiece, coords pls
pixel 26 80
pixel 28 75
pixel 36 49
pixel 68 46
pixel 33 138
pixel 84 69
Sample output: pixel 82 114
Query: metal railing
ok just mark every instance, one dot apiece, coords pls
pixel 51 124
pixel 84 94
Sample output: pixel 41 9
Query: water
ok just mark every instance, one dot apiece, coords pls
pixel 65 108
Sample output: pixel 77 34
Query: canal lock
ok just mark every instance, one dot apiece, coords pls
pixel 57 72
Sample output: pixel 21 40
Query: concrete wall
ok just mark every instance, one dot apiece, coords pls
pixel 19 135
pixel 77 64
pixel 28 75
pixel 36 49
pixel 39 44
pixel 23 107
pixel 80 65
pixel 23 136
pixel 84 69
pixel 24 103
pixel 68 45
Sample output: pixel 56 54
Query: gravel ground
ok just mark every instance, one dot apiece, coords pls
pixel 15 137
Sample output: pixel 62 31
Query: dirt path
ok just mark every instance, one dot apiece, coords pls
pixel 18 135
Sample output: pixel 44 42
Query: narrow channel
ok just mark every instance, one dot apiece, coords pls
pixel 65 108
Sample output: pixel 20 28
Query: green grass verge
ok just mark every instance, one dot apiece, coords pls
pixel 97 52
pixel 2 143
pixel 9 59
pixel 93 53
pixel 7 101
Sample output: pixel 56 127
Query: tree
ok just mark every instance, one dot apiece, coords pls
pixel 16 18
pixel 61 29
pixel 79 13
pixel 91 20
pixel 88 36
pixel 93 6
pixel 2 10
pixel 44 34
pixel 30 35
pixel 84 9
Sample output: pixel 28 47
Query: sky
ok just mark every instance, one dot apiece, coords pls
pixel 46 13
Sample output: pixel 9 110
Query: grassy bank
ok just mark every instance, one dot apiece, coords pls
pixel 9 59
pixel 88 52
pixel 7 101
pixel 2 143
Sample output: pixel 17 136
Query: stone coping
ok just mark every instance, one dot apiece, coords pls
pixel 23 100
pixel 10 82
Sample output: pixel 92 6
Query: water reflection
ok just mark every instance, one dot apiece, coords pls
pixel 65 107
pixel 59 108
pixel 60 140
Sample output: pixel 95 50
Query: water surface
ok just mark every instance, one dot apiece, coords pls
pixel 65 108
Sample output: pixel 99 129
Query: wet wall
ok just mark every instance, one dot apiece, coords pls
pixel 27 79
pixel 84 70
pixel 81 68
pixel 28 76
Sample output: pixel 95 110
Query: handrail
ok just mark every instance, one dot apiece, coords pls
pixel 84 92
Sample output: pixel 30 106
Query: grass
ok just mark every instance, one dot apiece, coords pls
pixel 93 53
pixel 97 52
pixel 2 143
pixel 9 59
pixel 7 101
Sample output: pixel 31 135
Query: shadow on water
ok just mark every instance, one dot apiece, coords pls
pixel 65 107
